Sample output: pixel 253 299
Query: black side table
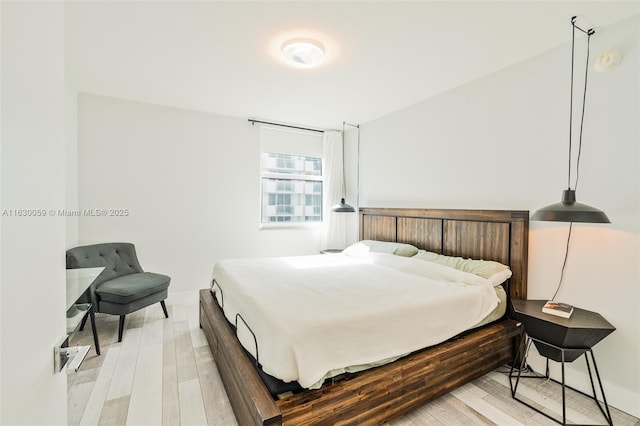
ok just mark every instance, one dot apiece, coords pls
pixel 561 340
pixel 331 251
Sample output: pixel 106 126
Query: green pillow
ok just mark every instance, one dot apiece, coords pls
pixel 495 272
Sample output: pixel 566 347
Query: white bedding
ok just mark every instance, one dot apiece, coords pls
pixel 315 314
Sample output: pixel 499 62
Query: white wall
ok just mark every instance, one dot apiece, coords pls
pixel 190 181
pixel 32 248
pixel 501 142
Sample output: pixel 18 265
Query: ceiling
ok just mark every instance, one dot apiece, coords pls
pixel 222 56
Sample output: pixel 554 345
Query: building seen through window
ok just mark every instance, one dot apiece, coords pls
pixel 291 188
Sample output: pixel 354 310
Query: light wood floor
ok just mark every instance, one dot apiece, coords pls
pixel 162 373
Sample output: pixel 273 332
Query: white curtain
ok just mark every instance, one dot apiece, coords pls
pixel 335 224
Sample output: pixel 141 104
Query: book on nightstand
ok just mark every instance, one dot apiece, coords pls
pixel 560 309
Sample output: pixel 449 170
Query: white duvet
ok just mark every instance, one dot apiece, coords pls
pixel 312 315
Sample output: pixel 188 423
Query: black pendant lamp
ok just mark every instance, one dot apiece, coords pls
pixel 568 210
pixel 343 207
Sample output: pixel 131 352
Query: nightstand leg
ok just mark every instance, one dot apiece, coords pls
pixel 604 410
pixel 523 360
pixel 606 415
pixel 564 402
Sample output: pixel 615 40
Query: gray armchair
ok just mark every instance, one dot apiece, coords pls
pixel 122 287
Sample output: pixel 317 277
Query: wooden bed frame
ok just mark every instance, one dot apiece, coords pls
pixel 384 393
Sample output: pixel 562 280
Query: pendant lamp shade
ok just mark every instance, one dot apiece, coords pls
pixel 343 207
pixel 568 210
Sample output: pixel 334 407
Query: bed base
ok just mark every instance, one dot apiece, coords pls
pixel 384 393
pixel 371 397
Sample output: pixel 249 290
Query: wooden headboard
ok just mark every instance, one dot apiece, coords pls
pixel 499 235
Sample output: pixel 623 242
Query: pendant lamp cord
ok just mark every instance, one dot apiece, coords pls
pixel 358 171
pixel 573 43
pixel 344 178
pixel 584 99
pixel 589 33
pixel 564 264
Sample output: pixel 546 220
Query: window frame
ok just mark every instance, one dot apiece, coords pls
pixel 304 178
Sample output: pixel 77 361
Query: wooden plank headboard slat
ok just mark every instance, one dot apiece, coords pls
pixel 379 227
pixel 421 232
pixel 494 244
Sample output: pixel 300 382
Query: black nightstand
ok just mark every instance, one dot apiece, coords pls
pixel 331 251
pixel 561 340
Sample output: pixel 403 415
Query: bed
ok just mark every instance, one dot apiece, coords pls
pixel 389 391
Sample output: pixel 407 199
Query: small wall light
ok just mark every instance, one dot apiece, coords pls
pixel 607 61
pixel 303 53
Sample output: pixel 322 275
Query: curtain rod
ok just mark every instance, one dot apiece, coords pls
pixel 285 125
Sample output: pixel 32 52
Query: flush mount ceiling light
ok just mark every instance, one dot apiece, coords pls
pixel 303 53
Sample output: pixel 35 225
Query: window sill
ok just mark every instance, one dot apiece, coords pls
pixel 289 225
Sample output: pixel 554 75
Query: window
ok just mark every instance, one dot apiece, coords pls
pixel 291 181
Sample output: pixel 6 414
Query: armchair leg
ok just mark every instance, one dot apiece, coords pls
pixel 120 328
pixel 82 324
pixel 93 327
pixel 164 308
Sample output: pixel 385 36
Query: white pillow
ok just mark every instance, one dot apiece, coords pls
pixel 399 249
